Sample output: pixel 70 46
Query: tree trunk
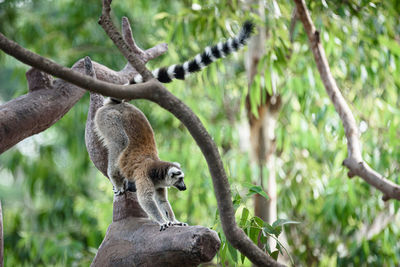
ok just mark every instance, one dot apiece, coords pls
pixel 133 239
pixel 262 129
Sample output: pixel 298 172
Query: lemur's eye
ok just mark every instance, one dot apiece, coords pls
pixel 176 173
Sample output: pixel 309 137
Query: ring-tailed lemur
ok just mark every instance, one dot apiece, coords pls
pixel 210 54
pixel 133 161
pixel 133 157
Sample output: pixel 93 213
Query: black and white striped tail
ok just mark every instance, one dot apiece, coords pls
pixel 210 54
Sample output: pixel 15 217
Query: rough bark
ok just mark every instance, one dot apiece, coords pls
pixel 134 240
pixel 354 162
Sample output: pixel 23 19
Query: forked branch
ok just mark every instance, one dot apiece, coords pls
pixel 354 162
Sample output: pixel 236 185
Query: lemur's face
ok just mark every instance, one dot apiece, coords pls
pixel 175 177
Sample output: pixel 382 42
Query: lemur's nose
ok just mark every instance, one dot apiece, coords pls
pixel 182 188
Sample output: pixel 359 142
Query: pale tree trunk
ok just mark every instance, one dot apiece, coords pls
pixel 262 129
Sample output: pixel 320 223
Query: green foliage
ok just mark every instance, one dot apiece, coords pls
pixel 57 206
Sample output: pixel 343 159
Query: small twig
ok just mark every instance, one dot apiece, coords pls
pixel 354 162
pixel 293 21
pixel 128 37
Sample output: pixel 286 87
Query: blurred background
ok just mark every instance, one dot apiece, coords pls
pixel 57 206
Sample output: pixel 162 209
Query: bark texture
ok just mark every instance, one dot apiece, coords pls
pixel 354 161
pixel 134 240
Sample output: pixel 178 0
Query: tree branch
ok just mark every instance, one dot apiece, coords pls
pixel 113 33
pixel 354 161
pixel 23 116
pixel 134 240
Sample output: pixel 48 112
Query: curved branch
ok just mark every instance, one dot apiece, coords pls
pixel 154 91
pixel 354 162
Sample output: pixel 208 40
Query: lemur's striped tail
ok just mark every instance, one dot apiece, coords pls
pixel 210 54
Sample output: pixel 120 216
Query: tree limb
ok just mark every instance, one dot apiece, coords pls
pixel 134 240
pixel 354 161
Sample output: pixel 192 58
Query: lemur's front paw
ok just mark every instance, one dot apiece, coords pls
pixel 165 226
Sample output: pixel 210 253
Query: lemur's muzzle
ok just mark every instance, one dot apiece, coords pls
pixel 181 186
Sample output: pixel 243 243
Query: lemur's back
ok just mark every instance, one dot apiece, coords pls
pixel 139 131
pixel 128 136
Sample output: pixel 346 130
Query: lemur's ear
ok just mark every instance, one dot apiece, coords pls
pixel 177 164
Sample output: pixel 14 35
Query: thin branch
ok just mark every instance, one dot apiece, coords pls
pixel 145 56
pixel 106 23
pixel 354 162
pixel 293 21
pixel 152 90
pixel 380 222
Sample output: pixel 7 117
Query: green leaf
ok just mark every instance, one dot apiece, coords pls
pixel 269 229
pixel 242 257
pixel 281 222
pixel 393 46
pixel 222 252
pixel 233 253
pixel 255 189
pixel 260 223
pixel 161 15
pixel 243 219
pixel 254 231
pixel 236 201
pixel 275 254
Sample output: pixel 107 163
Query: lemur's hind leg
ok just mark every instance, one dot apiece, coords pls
pixel 110 126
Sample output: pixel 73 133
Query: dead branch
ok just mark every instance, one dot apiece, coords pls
pixel 354 161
